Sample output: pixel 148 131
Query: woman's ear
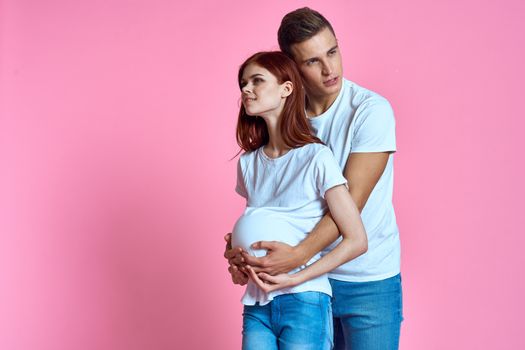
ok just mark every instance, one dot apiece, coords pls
pixel 287 89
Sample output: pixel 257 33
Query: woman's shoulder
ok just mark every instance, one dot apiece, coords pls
pixel 314 149
pixel 247 158
pixel 248 154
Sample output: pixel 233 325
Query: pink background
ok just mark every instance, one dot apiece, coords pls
pixel 117 126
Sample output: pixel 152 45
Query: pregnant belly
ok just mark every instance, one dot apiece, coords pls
pixel 262 224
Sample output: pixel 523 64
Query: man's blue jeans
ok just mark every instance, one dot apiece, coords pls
pixel 367 315
pixel 289 322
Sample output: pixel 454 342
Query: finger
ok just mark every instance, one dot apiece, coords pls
pixel 233 275
pixel 253 260
pixel 231 253
pixel 257 280
pixel 259 269
pixel 228 239
pixel 233 270
pixel 268 278
pixel 242 280
pixel 252 275
pixel 238 277
pixel 264 245
pixel 266 287
pixel 237 260
pixel 264 268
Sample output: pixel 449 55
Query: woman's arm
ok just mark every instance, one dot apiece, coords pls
pixel 354 243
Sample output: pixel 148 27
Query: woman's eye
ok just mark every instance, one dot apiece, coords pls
pixel 258 80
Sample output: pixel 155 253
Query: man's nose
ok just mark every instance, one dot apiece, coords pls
pixel 327 68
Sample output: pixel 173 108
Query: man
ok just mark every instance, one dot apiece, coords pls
pixel 358 125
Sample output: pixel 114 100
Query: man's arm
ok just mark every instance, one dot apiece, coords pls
pixel 354 243
pixel 363 171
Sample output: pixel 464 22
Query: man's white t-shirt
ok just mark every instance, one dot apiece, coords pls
pixel 284 202
pixel 361 121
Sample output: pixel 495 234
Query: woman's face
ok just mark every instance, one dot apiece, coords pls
pixel 261 93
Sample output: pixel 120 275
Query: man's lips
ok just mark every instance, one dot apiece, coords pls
pixel 331 82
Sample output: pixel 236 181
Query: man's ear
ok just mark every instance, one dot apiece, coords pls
pixel 287 89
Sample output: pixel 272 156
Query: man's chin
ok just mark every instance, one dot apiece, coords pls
pixel 332 89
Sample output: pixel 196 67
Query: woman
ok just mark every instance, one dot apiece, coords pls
pixel 289 179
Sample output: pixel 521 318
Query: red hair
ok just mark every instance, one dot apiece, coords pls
pixel 252 132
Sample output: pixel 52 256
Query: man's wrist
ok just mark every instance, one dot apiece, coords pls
pixel 301 255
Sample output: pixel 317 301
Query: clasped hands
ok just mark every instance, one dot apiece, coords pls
pixel 269 272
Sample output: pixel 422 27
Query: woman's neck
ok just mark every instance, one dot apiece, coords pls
pixel 275 147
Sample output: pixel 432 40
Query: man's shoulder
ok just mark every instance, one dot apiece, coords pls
pixel 358 95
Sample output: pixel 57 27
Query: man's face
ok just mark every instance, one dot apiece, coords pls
pixel 319 61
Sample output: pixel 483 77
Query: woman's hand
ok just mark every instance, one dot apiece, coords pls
pixel 270 283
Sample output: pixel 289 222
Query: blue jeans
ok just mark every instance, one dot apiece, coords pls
pixel 289 322
pixel 367 315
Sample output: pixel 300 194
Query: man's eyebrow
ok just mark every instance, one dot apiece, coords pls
pixel 333 48
pixel 309 59
pixel 315 57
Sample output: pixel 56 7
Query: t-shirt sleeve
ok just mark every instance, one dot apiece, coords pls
pixel 240 188
pixel 375 127
pixel 328 172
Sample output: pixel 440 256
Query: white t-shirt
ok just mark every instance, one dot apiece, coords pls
pixel 284 202
pixel 360 121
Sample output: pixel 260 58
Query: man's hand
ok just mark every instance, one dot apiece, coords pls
pixel 280 258
pixel 233 255
pixel 238 277
pixel 236 262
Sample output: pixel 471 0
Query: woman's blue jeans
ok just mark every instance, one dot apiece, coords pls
pixel 289 322
pixel 367 315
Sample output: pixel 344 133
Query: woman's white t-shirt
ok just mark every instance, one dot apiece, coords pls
pixel 284 202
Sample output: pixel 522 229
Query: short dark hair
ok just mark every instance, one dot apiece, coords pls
pixel 298 26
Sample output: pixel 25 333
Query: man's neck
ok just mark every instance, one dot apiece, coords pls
pixel 317 105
